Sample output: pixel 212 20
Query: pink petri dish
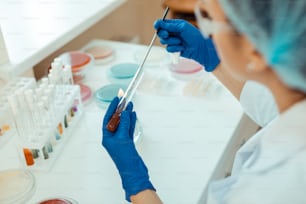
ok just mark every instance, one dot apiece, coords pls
pixel 58 201
pixel 186 69
pixel 79 62
pixel 101 53
pixel 86 93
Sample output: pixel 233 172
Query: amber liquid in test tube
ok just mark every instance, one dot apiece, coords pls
pixel 115 120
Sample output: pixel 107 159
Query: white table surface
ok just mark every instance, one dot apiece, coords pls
pixel 34 29
pixel 183 139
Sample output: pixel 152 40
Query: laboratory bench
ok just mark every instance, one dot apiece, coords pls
pixel 187 124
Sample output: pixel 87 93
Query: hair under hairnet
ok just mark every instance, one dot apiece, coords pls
pixel 278 30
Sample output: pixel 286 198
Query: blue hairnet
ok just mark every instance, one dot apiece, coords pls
pixel 278 30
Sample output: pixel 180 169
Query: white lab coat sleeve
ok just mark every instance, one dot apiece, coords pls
pixel 283 184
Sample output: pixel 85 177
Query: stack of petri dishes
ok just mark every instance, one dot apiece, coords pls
pixel 80 62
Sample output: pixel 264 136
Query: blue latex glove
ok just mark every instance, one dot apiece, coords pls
pixel 181 36
pixel 120 146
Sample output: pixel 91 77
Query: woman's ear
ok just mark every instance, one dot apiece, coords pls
pixel 257 62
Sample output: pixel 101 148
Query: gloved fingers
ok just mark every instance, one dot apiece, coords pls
pixel 133 118
pixel 110 111
pixel 175 48
pixel 163 34
pixel 171 25
pixel 158 24
pixel 171 41
pixel 129 107
pixel 124 125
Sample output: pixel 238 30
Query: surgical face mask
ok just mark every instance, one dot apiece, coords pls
pixel 258 103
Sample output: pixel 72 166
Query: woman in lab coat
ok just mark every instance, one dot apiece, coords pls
pixel 263 41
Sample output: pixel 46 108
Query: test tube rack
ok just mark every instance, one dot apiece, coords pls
pixel 43 117
pixel 41 153
pixel 7 127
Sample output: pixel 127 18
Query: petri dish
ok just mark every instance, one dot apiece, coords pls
pixel 157 56
pixel 86 93
pixel 16 186
pixel 106 94
pixel 124 70
pixel 101 53
pixel 122 73
pixel 59 200
pixel 186 69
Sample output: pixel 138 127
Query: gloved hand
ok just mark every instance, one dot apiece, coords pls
pixel 120 146
pixel 181 36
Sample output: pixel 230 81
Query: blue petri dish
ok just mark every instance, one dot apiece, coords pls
pixel 124 70
pixel 122 73
pixel 106 94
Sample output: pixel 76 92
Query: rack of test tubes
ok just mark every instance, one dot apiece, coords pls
pixel 7 127
pixel 45 114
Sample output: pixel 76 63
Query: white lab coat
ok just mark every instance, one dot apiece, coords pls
pixel 258 103
pixel 271 167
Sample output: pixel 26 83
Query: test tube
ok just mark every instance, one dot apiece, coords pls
pixel 39 93
pixel 29 97
pixel 12 99
pixel 68 74
pixel 49 99
pixel 44 82
pixel 50 93
pixel 51 78
pixel 57 71
pixel 51 116
pixel 25 114
pixel 59 61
